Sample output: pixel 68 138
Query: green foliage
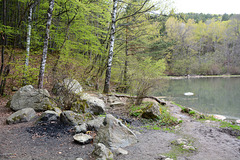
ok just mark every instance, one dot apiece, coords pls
pixel 144 76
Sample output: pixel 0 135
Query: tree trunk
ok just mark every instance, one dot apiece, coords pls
pixel 3 36
pixel 112 40
pixel 125 87
pixel 45 47
pixel 28 43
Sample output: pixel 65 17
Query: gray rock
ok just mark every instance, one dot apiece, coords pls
pixel 121 151
pixel 57 110
pixel 97 106
pixel 83 138
pixel 113 99
pixel 29 97
pixel 151 111
pixel 95 124
pixel 72 118
pixel 187 147
pixel 68 86
pixel 181 141
pixel 101 152
pixel 81 129
pixel 49 116
pixel 23 115
pixel 114 134
pixel 117 104
pixel 79 159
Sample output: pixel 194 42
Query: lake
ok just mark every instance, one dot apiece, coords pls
pixel 211 95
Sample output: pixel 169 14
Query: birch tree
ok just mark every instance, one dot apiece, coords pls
pixel 29 29
pixel 45 47
pixel 142 9
pixel 112 40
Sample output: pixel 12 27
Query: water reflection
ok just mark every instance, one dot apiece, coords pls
pixel 211 95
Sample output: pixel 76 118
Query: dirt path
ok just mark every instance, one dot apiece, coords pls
pixel 20 142
pixel 207 138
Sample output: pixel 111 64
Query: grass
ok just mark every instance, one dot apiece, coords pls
pixel 229 125
pixel 178 105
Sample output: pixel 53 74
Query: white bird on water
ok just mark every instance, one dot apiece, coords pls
pixel 188 94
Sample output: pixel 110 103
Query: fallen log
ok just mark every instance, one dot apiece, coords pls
pixel 135 97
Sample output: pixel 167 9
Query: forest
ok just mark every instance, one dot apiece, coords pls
pixel 129 43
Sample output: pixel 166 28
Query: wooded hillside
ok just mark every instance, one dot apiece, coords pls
pixel 133 40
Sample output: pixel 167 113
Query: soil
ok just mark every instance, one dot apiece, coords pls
pixel 54 141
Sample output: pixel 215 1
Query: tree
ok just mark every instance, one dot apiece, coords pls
pixel 45 47
pixel 140 10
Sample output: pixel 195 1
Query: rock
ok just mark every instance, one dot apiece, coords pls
pixel 151 111
pixel 57 110
pixel 95 124
pixel 68 86
pixel 97 106
pixel 113 99
pixel 121 151
pixel 23 115
pixel 101 152
pixel 79 159
pixel 114 134
pixel 83 138
pixel 116 104
pixel 81 129
pixel 72 118
pixel 49 116
pixel 181 141
pixel 184 144
pixel 238 121
pixel 29 97
pixel 219 117
pixel 189 148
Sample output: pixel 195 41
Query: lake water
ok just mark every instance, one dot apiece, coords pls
pixel 211 95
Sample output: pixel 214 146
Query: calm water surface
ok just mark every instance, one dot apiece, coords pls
pixel 211 95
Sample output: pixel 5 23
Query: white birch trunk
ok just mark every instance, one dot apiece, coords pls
pixel 111 47
pixel 29 36
pixel 45 47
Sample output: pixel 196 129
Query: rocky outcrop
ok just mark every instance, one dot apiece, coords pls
pixel 29 97
pixel 101 152
pixel 23 115
pixel 96 105
pixel 114 134
pixel 83 138
pixel 72 118
pixel 152 111
pixel 68 86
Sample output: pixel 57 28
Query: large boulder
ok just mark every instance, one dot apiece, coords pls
pixel 96 105
pixel 29 97
pixel 114 134
pixel 68 86
pixel 152 111
pixel 23 115
pixel 73 119
pixel 101 152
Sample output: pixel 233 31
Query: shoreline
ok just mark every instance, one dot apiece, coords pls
pixel 201 76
